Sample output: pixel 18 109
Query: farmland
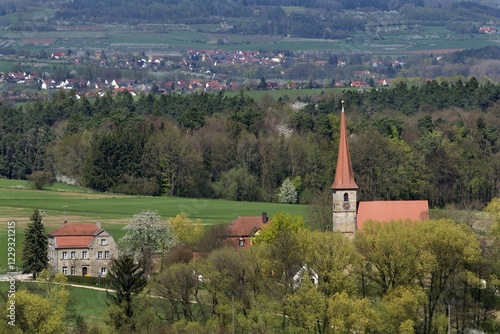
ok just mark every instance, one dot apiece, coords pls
pixel 181 37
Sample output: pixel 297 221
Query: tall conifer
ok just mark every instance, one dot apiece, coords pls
pixel 35 255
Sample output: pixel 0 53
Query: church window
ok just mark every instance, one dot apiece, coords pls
pixel 346 197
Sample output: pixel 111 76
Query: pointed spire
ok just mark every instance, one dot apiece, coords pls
pixel 344 175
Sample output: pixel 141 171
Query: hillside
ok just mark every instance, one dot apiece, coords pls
pixel 332 20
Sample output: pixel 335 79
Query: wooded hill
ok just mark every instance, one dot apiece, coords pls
pixel 332 19
pixel 437 142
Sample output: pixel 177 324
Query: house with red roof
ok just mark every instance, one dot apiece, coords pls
pixel 349 215
pixel 82 249
pixel 240 232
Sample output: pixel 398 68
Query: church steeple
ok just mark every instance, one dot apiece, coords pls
pixel 344 188
pixel 344 176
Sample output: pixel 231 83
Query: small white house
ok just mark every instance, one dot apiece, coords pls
pixel 305 273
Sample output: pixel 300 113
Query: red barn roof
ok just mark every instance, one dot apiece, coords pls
pixel 386 211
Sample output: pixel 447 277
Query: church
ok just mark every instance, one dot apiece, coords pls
pixel 349 214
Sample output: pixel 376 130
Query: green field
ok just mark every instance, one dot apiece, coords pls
pixel 182 37
pixel 17 203
pixel 89 303
pixel 76 204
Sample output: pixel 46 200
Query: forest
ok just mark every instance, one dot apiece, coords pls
pixel 437 141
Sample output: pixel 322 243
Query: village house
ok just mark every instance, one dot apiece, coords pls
pixel 349 215
pixel 488 30
pixel 240 232
pixel 82 249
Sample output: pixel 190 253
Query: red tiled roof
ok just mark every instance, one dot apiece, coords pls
pixel 245 226
pixel 73 241
pixel 386 211
pixel 344 175
pixel 76 230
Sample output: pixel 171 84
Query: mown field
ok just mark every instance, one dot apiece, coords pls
pixel 89 303
pixel 76 204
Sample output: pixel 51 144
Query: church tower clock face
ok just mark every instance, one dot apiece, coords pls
pixel 346 206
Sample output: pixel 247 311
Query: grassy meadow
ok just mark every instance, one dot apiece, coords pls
pixel 75 204
pixel 89 303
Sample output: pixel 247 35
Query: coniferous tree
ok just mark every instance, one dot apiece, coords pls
pixel 35 257
pixel 126 278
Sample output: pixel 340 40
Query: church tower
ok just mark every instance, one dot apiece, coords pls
pixel 344 188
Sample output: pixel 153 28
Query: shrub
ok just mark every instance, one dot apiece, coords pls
pixel 87 280
pixel 41 179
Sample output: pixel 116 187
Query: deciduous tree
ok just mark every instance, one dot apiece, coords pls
pixel 186 230
pixel 145 235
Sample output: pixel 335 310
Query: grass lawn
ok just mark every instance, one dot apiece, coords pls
pixel 91 304
pixel 6 66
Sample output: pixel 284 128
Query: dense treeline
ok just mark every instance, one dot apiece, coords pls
pixel 489 52
pixel 437 142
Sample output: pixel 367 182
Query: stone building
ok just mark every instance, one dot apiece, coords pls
pixel 82 249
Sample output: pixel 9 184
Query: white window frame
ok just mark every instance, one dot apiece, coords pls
pixel 107 254
pixel 85 255
pixel 103 271
pixel 73 271
pixel 104 242
pixel 64 270
pixel 99 255
pixel 64 255
pixel 73 255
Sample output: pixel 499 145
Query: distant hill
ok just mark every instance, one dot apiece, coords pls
pixel 332 19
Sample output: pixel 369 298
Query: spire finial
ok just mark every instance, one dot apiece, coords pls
pixel 342 105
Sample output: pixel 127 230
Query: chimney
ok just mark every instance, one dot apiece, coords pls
pixel 98 224
pixel 264 217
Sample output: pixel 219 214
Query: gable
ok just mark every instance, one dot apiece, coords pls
pixel 386 211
